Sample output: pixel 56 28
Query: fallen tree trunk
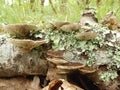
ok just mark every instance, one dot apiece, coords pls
pixel 14 62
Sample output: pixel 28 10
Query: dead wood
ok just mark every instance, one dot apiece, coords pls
pixel 14 62
pixel 20 83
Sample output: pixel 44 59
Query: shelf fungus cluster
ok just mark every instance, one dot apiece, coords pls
pixel 21 33
pixel 90 46
pixel 88 18
pixel 85 53
pixel 64 67
pixel 64 26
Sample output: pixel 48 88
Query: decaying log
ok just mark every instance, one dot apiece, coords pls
pixel 20 83
pixel 24 56
pixel 13 62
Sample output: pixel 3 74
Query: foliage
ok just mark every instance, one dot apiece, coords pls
pixel 73 8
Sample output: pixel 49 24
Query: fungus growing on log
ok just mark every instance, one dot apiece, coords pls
pixel 70 27
pixel 20 30
pixel 26 44
pixel 56 57
pixel 55 25
pixel 55 53
pixel 86 70
pixel 70 66
pixel 57 60
pixel 86 35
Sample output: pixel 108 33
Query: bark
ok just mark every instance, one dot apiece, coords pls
pixel 14 62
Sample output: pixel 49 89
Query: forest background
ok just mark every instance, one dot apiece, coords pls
pixel 35 11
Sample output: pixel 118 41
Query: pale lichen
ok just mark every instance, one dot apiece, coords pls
pixel 108 75
pixel 86 51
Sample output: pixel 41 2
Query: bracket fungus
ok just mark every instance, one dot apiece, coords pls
pixel 63 66
pixel 26 44
pixel 70 66
pixel 57 24
pixel 19 29
pixel 87 70
pixel 55 53
pixel 86 35
pixel 70 27
pixel 66 68
pixel 56 57
pixel 56 60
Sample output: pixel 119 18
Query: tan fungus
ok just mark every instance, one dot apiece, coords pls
pixel 86 35
pixel 57 24
pixel 26 44
pixel 86 70
pixel 71 27
pixel 70 66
